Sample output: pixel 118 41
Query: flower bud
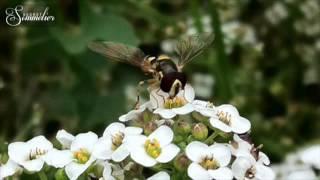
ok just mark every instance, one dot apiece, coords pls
pixel 200 131
pixel 182 127
pixel 149 128
pixel 181 162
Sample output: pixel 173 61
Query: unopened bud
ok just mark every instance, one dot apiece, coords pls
pixel 200 131
pixel 149 128
pixel 181 162
pixel 182 127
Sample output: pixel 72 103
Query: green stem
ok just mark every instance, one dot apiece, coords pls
pixel 222 66
pixel 42 175
pixel 210 139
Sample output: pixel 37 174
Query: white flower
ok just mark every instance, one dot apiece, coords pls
pixel 113 143
pixel 247 167
pixel 65 138
pixel 9 169
pixel 227 119
pixel 76 159
pixel 162 175
pixel 134 113
pixel 30 154
pixel 169 108
pixel 311 156
pixel 208 162
pixel 157 147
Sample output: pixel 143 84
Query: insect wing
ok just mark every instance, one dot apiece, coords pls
pixel 118 52
pixel 191 46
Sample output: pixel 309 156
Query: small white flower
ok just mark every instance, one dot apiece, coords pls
pixel 9 169
pixel 208 162
pixel 168 108
pixel 113 143
pixel 30 154
pixel 239 146
pixel 247 167
pixel 157 147
pixel 227 119
pixel 135 112
pixel 311 156
pixel 162 175
pixel 76 159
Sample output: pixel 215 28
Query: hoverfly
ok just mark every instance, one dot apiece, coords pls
pixel 167 75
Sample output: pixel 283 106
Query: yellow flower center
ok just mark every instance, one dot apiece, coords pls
pixel 224 117
pixel 82 156
pixel 117 140
pixel 209 163
pixel 152 148
pixel 174 103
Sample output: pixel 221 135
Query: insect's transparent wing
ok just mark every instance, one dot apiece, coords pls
pixel 118 52
pixel 191 46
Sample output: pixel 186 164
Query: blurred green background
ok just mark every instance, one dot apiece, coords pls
pixel 264 60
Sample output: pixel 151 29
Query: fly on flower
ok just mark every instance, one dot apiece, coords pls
pixel 167 75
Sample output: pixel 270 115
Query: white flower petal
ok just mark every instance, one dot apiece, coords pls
pixel 114 128
pixel 74 170
pixel 219 125
pixel 120 153
pixel 157 98
pixel 133 130
pixel 9 169
pixel 19 151
pixel 222 173
pixel 229 109
pixel 221 153
pixel 306 174
pixel 103 148
pixel 168 153
pixel 263 159
pixel 240 167
pixel 162 175
pixel 189 93
pixel 165 113
pixel 85 141
pixel 135 141
pixel 33 165
pixel 240 125
pixel 57 158
pixel 163 134
pixel 196 150
pixel 107 170
pixel 140 156
pixel 186 109
pixel 40 142
pixel 65 138
pixel 264 172
pixel 196 172
pixel 311 156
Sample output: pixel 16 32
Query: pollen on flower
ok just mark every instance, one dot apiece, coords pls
pixel 36 153
pixel 209 163
pixel 174 103
pixel 152 148
pixel 224 117
pixel 117 140
pixel 82 156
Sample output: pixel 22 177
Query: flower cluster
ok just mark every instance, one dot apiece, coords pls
pixel 179 137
